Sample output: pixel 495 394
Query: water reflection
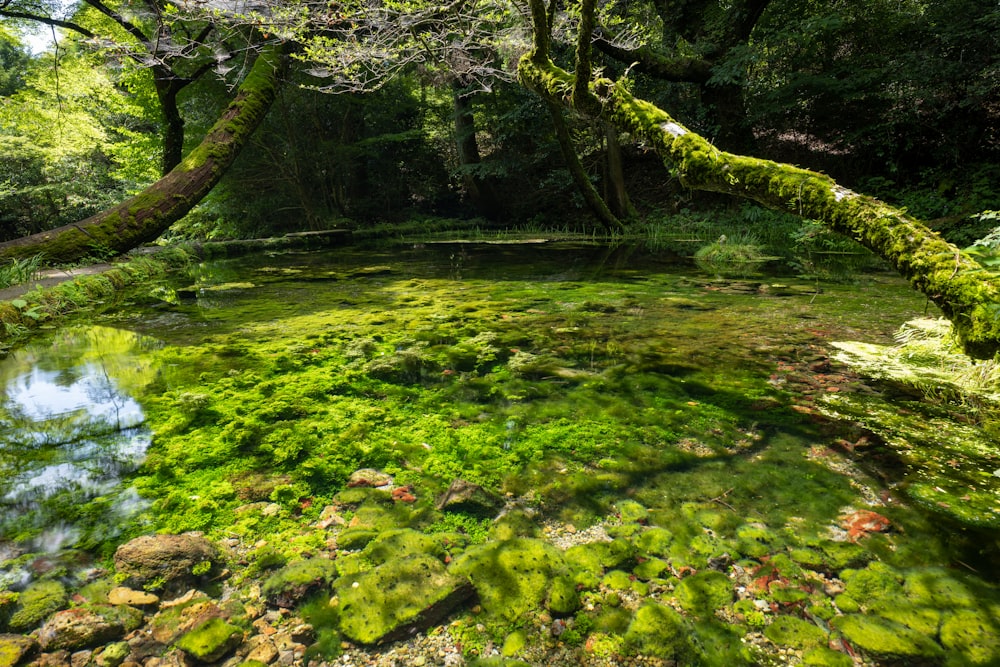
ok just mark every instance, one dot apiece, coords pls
pixel 69 431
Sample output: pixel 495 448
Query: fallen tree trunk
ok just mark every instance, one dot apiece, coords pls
pixel 966 293
pixel 147 215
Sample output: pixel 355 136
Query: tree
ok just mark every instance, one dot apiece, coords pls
pixel 966 293
pixel 173 49
pixel 144 217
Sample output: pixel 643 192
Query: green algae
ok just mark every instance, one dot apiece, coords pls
pixel 36 603
pixel 210 640
pixel 701 594
pixel 659 631
pixel 795 632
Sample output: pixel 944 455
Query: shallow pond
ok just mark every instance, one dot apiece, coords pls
pixel 580 381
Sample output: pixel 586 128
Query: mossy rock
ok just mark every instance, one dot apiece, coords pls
pixel 841 555
pixel 617 580
pixel 718 645
pixel 941 589
pixel 618 553
pixel 514 643
pixel 925 620
pixel 659 631
pixel 973 633
pixel 211 640
pixel 289 585
pixel 512 577
pixel 795 632
pixel 513 524
pixel 563 596
pixel 585 565
pixel 885 639
pixel 113 654
pixel 403 543
pixel 651 569
pixel 821 656
pixel 654 541
pixel 613 620
pixel 703 593
pixel 876 582
pixel 354 539
pixel 8 603
pixel 398 597
pixel 632 512
pixel 36 603
pixel 15 649
pixel 356 496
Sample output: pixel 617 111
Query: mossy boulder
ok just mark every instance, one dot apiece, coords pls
pixel 87 626
pixel 289 585
pixel 973 633
pixel 654 541
pixel 170 562
pixel 397 598
pixel 513 577
pixel 940 588
pixel 211 640
pixel 403 543
pixel 821 656
pixel 15 649
pixel 113 654
pixel 652 568
pixel 632 512
pixel 701 594
pixel 884 639
pixel 513 524
pixel 563 596
pixel 8 603
pixel 659 631
pixel 39 601
pixel 875 583
pixel 795 632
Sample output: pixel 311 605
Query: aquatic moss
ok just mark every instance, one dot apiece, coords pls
pixel 883 638
pixel 512 578
pixel 389 601
pixel 297 580
pixel 39 601
pixel 973 633
pixel 795 632
pixel 875 583
pixel 702 593
pixel 659 631
pixel 211 640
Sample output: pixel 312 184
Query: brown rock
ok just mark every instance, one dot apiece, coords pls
pixel 369 477
pixel 170 559
pixel 85 627
pixel 463 496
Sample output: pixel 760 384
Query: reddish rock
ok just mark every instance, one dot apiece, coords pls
pixel 863 523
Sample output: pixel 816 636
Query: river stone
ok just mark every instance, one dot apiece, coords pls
pixel 369 477
pixel 469 498
pixel 123 595
pixel 211 640
pixel 88 626
pixel 397 598
pixel 15 648
pixel 167 560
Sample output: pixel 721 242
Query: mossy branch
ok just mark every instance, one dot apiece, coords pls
pixel 148 214
pixel 966 293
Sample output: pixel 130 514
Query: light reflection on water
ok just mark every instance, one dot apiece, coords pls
pixel 69 432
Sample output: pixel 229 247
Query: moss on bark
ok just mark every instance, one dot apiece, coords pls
pixel 966 293
pixel 148 214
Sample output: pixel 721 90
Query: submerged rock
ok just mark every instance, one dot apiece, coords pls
pixel 88 626
pixel 469 498
pixel 169 561
pixel 36 603
pixel 289 585
pixel 14 649
pixel 398 598
pixel 210 640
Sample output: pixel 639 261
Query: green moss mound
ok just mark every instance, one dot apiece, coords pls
pixel 396 597
pixel 295 581
pixel 210 640
pixel 975 634
pixel 512 578
pixel 36 603
pixel 701 594
pixel 885 639
pixel 795 632
pixel 659 631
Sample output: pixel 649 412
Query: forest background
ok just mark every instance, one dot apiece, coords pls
pixel 425 119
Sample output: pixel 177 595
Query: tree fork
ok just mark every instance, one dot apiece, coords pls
pixel 966 293
pixel 148 214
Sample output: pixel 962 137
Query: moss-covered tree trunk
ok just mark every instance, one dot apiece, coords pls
pixel 967 294
pixel 148 214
